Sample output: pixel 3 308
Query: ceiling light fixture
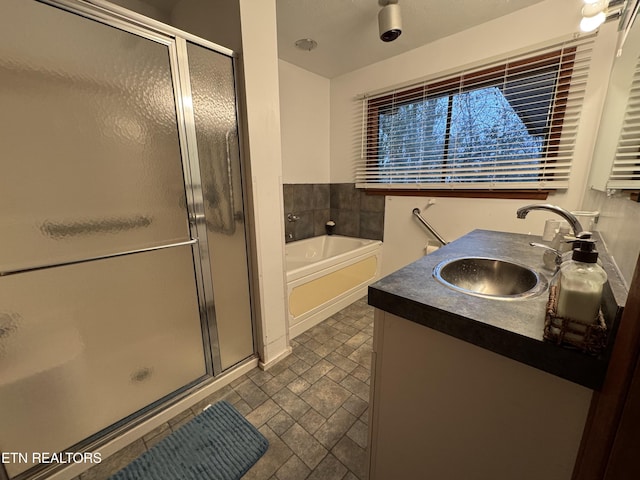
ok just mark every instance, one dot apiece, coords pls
pixel 593 14
pixel 307 44
pixel 389 20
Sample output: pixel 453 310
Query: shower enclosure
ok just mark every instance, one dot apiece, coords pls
pixel 124 276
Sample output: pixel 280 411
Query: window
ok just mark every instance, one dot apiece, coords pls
pixel 507 125
pixel 625 173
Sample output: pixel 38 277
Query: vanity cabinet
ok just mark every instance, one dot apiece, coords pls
pixel 464 387
pixel 444 408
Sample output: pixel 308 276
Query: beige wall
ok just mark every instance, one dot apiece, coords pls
pixel 143 8
pixel 215 20
pixel 304 120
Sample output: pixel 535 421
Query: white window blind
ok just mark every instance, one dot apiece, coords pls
pixel 509 124
pixel 625 172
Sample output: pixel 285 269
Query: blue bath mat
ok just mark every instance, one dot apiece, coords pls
pixel 218 444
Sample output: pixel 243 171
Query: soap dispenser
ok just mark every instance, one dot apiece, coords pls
pixel 581 281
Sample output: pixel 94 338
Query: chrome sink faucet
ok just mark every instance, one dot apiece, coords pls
pixel 568 216
pixel 557 254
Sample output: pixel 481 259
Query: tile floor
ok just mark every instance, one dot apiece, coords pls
pixel 312 406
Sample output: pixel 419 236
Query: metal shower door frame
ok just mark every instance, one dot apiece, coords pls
pixel 176 42
pixel 197 219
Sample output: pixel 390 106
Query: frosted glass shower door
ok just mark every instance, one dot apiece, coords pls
pixel 214 108
pixel 91 160
pixel 86 345
pixel 99 303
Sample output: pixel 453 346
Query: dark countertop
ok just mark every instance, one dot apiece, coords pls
pixel 512 328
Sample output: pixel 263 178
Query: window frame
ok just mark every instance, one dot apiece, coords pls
pixel 563 58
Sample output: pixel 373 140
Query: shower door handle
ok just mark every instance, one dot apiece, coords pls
pixel 98 257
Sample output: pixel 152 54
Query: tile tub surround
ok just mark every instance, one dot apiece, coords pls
pixel 311 203
pixel 312 406
pixel 356 214
pixel 512 328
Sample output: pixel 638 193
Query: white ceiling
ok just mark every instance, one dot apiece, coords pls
pixel 347 30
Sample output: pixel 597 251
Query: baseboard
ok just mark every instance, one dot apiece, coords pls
pixel 273 361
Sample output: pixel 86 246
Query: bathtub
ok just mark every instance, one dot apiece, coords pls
pixel 326 274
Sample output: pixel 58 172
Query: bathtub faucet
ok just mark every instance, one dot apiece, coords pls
pixel 292 217
pixel 568 216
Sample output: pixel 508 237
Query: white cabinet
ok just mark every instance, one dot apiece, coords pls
pixel 445 409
